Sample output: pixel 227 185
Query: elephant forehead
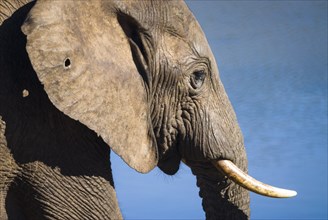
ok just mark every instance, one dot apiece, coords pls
pixel 176 49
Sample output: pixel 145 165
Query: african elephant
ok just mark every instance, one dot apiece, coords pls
pixel 138 76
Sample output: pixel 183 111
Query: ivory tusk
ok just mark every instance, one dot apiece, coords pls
pixel 249 183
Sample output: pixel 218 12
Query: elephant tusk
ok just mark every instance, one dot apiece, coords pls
pixel 241 178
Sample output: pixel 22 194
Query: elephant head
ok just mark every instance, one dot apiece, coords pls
pixel 142 76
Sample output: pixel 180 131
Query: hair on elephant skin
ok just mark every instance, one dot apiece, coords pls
pixel 82 78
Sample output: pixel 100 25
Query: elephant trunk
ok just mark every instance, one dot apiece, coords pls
pixel 222 198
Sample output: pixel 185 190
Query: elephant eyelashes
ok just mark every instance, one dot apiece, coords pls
pixel 197 79
pixel 67 63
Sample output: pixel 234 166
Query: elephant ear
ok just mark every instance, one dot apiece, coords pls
pixel 83 58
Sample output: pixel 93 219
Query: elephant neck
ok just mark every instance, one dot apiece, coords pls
pixel 44 192
pixel 222 199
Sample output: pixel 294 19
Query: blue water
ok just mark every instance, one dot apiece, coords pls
pixel 272 57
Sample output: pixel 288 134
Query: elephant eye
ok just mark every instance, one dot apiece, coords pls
pixel 197 79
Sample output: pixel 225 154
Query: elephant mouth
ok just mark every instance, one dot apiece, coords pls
pixel 231 171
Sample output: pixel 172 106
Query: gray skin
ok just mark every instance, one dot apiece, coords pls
pixel 78 77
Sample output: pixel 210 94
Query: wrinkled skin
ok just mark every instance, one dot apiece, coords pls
pixel 66 75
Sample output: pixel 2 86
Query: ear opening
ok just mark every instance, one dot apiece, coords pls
pixel 136 36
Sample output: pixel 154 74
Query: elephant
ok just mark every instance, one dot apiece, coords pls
pixel 82 78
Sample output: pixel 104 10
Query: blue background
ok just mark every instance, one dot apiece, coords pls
pixel 272 57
